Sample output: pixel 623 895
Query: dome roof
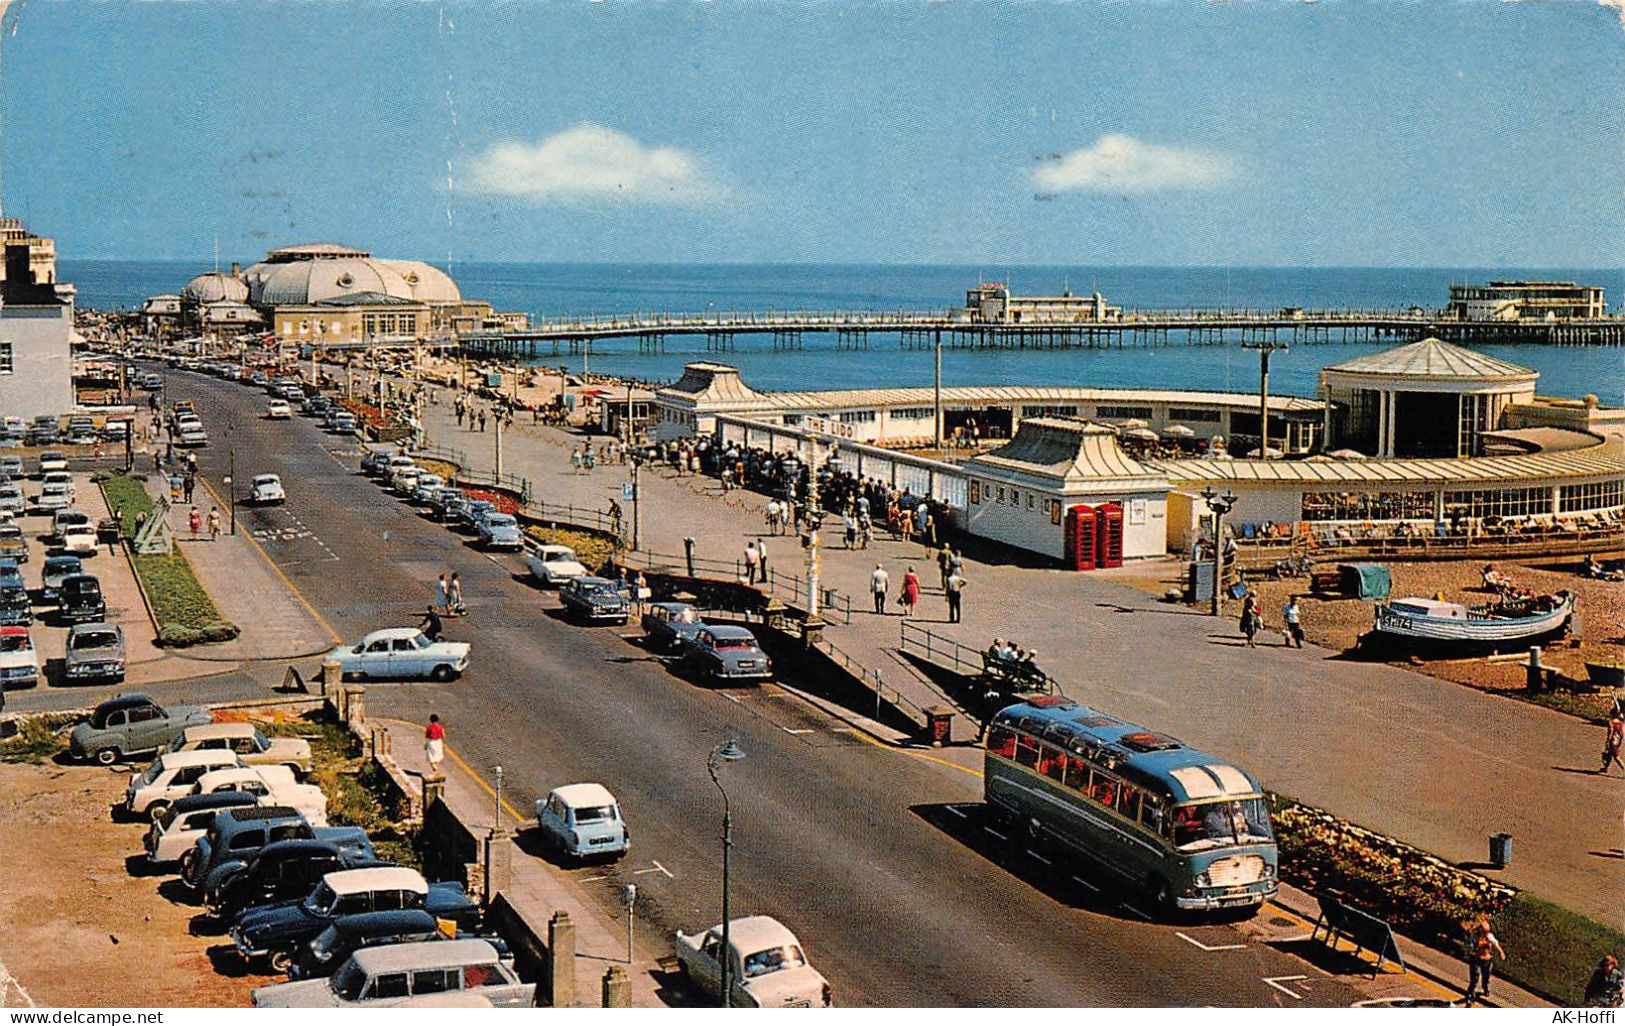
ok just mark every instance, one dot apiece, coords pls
pixel 1432 359
pixel 303 282
pixel 214 287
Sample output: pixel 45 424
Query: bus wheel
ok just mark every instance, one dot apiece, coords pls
pixel 1162 898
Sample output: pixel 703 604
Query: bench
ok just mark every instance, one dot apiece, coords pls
pixel 1009 676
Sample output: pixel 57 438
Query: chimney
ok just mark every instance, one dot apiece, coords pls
pixel 17 264
pixel 236 271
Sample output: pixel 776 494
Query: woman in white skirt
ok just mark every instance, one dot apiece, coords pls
pixel 434 744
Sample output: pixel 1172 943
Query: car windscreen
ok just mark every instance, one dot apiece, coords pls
pixel 772 960
pixel 92 639
pixel 500 520
pixel 16 643
pixel 1216 824
pixel 735 643
pixel 594 813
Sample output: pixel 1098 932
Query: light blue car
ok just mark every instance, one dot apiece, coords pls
pixel 583 821
pixel 500 531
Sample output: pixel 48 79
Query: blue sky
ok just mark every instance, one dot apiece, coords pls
pixel 1469 133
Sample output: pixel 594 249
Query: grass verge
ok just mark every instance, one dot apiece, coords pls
pixel 1552 951
pixel 38 738
pixel 185 613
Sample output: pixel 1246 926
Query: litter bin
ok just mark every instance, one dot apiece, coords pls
pixel 939 724
pixel 1500 850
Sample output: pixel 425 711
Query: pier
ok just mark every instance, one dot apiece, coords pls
pixel 953 329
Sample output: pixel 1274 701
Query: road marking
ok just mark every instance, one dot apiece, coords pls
pixel 956 810
pixel 1039 857
pixel 1137 912
pixel 1277 981
pixel 730 698
pixel 995 833
pixel 800 730
pixel 1207 947
pixel 1086 883
pixel 663 869
pixel 591 879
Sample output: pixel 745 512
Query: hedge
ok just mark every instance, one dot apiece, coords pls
pixel 183 610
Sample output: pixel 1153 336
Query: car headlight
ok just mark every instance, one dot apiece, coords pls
pixel 1203 879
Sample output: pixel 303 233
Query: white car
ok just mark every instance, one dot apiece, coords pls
pixel 278 409
pixel 552 565
pixel 19 660
pixel 767 968
pixel 177 831
pixel 266 490
pixel 250 744
pixel 52 459
pixel 405 480
pixel 53 496
pixel 583 821
pixel 172 775
pixel 396 652
pixel 274 785
pixel 80 539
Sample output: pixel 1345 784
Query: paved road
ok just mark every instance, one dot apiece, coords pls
pixel 874 856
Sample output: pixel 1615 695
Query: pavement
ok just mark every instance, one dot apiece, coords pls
pixel 1431 763
pixel 537 890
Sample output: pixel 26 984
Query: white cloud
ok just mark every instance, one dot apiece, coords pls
pixel 1618 6
pixel 1118 163
pixel 590 163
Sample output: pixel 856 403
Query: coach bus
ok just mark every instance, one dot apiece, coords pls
pixel 1188 827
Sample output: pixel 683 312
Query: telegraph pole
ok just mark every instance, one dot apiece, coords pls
pixel 937 412
pixel 1264 350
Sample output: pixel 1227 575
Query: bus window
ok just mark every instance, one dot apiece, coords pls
pixel 1077 774
pixel 1051 762
pixel 1026 751
pixel 1128 801
pixel 1002 741
pixel 1220 823
pixel 1151 814
pixel 1103 789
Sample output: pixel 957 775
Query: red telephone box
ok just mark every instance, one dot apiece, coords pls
pixel 1109 535
pixel 1080 537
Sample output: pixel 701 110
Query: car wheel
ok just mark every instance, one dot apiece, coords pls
pixel 280 960
pixel 107 756
pixel 156 810
pixel 189 866
pixel 442 673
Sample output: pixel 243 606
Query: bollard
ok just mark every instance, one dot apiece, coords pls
pixel 688 554
pixel 1533 673
pixel 434 790
pixel 332 676
pixel 561 960
pixel 498 864
pixel 1500 850
pixel 617 990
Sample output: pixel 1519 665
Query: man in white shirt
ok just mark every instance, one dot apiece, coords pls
pixel 879 583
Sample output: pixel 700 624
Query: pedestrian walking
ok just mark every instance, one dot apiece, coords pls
pixel 1480 949
pixel 482 421
pixel 928 528
pixel 866 530
pixel 214 523
pixel 188 483
pixel 943 555
pixel 1612 741
pixel 443 590
pixel 879 587
pixel 194 520
pixel 459 411
pixel 753 560
pixel 587 458
pixel 454 595
pixel 1292 628
pixel 954 588
pixel 849 529
pixel 1606 984
pixel 771 515
pixel 434 744
pixel 575 461
pixel 1251 622
pixel 761 558
pixel 909 597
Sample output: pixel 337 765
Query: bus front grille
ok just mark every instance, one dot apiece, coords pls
pixel 1236 869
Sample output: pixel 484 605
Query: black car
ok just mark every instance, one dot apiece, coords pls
pixel 279 871
pixel 594 600
pixel 80 598
pixel 15 610
pixel 344 936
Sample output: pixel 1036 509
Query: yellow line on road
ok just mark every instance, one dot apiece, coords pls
pixel 863 736
pixel 506 805
pixel 331 633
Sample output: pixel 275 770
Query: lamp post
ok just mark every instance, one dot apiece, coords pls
pixel 1264 349
pixel 1220 505
pixel 637 488
pixel 728 751
pixel 496 813
pixel 815 511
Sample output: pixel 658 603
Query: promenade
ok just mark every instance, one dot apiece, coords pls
pixel 1429 762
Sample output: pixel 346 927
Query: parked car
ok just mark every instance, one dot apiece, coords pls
pixel 12 499
pixel 500 531
pixel 280 871
pixel 64 518
pixel 346 935
pixel 276 932
pixel 278 409
pixel 60 477
pixel 552 565
pixel 276 785
pixel 403 479
pixel 189 818
pixel 15 608
pixel 426 487
pixel 172 775
pixel 192 436
pixel 80 539
pixel 594 600
pixel 235 835
pixel 767 967
pixel 343 424
pixel 79 599
pixel 95 652
pixel 13 543
pixel 115 430
pixel 670 625
pixel 56 568
pixel 250 744
pixel 19 661
pixel 317 405
pixel 397 652
pixel 725 654
pixel 456 973
pixel 375 462
pixel 453 508
pixel 130 725
pixel 53 495
pixel 582 821
pixel 267 490
pixel 472 513
pixel 52 459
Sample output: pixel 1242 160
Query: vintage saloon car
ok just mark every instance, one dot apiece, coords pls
pixel 552 565
pixel 56 568
pixel 274 784
pixel 669 625
pixel 348 934
pixel 456 973
pixel 130 725
pixel 724 654
pixel 79 599
pixel 594 600
pixel 236 834
pixel 19 661
pixel 95 652
pixel 282 870
pixel 397 652
pixel 276 932
pixel 499 531
pixel 172 775
pixel 583 821
pixel 251 746
pixel 767 967
pixel 172 836
pixel 267 490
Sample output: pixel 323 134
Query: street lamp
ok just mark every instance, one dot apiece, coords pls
pixel 1219 505
pixel 728 751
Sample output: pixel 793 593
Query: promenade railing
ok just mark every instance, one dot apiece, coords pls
pixel 832 602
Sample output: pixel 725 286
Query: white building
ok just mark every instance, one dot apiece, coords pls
pixel 1020 494
pixel 36 327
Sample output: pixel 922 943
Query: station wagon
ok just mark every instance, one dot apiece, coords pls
pixel 188 819
pixel 250 744
pixel 399 973
pixel 235 835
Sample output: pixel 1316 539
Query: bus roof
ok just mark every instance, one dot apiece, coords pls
pixel 1182 772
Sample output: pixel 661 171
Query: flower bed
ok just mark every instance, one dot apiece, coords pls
pixel 593 551
pixel 504 501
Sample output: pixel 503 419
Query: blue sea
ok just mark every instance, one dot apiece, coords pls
pixel 553 290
